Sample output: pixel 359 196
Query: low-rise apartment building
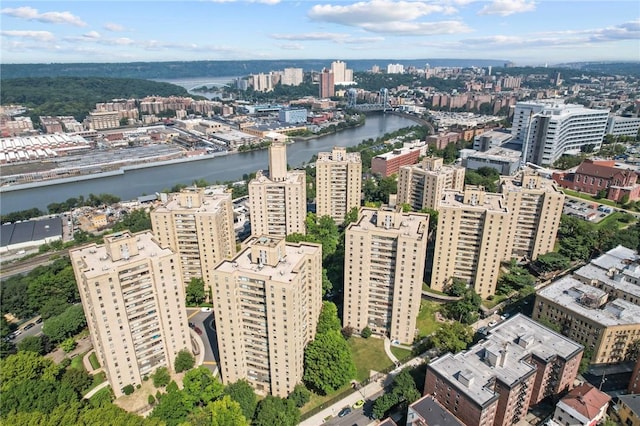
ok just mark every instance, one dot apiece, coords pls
pixel 496 381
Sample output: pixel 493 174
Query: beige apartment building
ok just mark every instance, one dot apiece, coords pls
pixel 535 206
pixel 422 185
pixel 383 271
pixel 470 239
pixel 478 230
pixel 133 299
pixel 267 301
pixel 278 202
pixel 338 183
pixel 608 327
pixel 196 223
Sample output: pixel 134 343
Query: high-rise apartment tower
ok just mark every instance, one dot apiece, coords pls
pixel 266 305
pixel 383 271
pixel 133 299
pixel 278 202
pixel 338 183
pixel 198 225
pixel 421 185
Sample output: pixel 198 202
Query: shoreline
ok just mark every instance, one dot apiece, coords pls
pixel 120 171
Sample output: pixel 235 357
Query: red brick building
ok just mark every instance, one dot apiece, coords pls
pixel 389 163
pixel 495 381
pixel 593 176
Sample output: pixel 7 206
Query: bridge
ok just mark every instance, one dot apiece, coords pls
pixel 382 104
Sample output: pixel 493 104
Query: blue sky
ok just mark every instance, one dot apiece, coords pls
pixel 527 32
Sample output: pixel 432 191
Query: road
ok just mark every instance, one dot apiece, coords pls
pixel 356 417
pixel 204 321
pixel 36 330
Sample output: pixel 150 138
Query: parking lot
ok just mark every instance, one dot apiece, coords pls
pixel 586 210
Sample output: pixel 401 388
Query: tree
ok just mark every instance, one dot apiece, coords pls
pixel 195 293
pixel 36 395
pixel 300 395
pixel 552 261
pixel 456 288
pixel 172 408
pixel 347 332
pixel 200 387
pixel 65 325
pixel 452 337
pixel 128 389
pixel 227 412
pixel 328 319
pixel 366 332
pixel 161 377
pixel 327 285
pixel 242 392
pixel 25 366
pixel 276 411
pixel 184 361
pixel 403 391
pixel 77 379
pixel 31 344
pixel 68 345
pixel 464 310
pixel 328 362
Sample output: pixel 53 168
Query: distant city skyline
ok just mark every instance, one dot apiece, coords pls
pixel 527 32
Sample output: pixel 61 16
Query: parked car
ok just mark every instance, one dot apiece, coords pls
pixel 197 330
pixel 28 326
pixel 191 325
pixel 345 411
pixel 482 330
pixel 504 316
pixel 358 404
pixel 493 323
pixel 205 309
pixel 39 320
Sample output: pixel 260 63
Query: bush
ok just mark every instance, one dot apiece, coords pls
pixel 300 395
pixel 138 386
pixel 161 377
pixel 366 332
pixel 128 390
pixel 151 400
pixel 68 345
pixel 184 361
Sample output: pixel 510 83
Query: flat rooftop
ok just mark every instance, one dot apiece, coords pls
pixel 515 339
pixel 211 203
pixel 454 199
pixel 293 177
pixel 409 223
pixel 349 157
pixel 97 261
pixel 568 291
pixel 618 281
pixel 619 257
pixel 284 271
pixel 514 184
pixel 30 230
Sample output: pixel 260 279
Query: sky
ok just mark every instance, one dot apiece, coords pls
pixel 526 32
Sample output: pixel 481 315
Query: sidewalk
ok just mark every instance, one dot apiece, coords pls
pixel 363 393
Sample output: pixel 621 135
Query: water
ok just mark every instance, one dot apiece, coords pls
pixel 231 167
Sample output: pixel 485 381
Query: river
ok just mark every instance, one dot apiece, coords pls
pixel 134 183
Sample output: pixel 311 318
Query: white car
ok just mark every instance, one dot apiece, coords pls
pixel 205 309
pixel 493 323
pixel 504 316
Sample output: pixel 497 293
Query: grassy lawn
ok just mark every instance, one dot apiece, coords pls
pixel 93 359
pixel 368 354
pixel 400 353
pixel 76 362
pixel 426 287
pixel 590 198
pixel 614 218
pixel 426 322
pixel 318 400
pixel 497 298
pixel 97 379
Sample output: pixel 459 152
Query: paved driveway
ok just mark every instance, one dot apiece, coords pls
pixel 204 321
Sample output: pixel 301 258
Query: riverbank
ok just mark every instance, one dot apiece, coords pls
pixel 120 171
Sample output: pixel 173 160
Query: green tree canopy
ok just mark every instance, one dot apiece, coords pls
pixel 172 408
pixel 453 337
pixel 242 392
pixel 68 323
pixel 201 387
pixel 328 319
pixel 225 411
pixel 25 366
pixel 328 362
pixel 195 291
pixel 184 361
pixel 273 411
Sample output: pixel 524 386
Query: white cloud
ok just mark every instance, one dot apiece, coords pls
pixel 291 46
pixel 418 28
pixel 94 35
pixel 31 14
pixel 375 11
pixel 116 28
pixel 43 36
pixel 508 7
pixel 311 36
